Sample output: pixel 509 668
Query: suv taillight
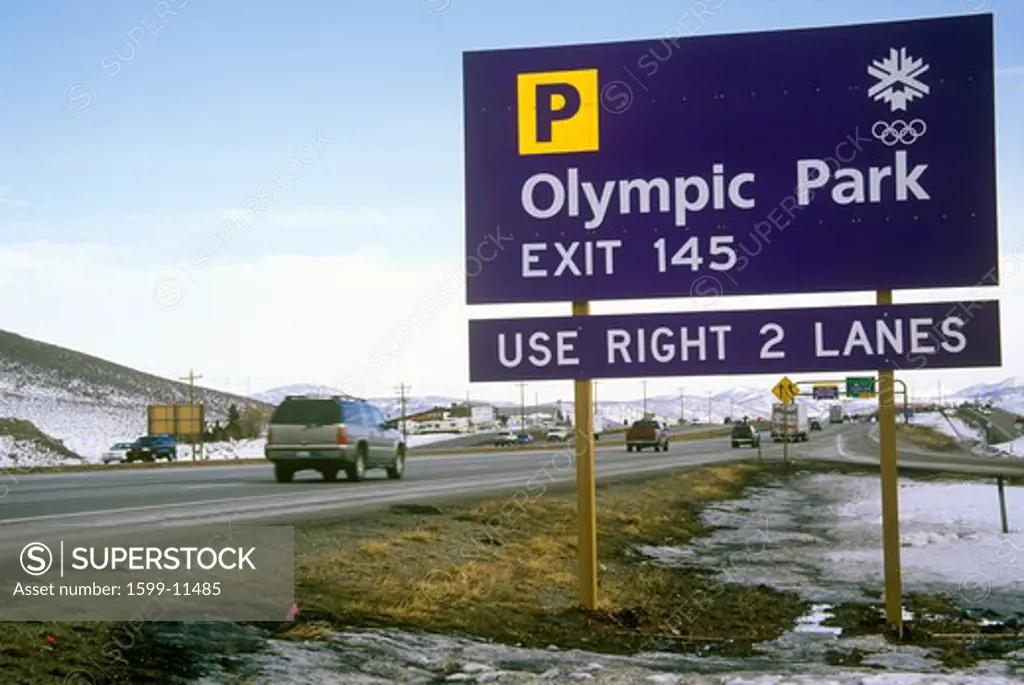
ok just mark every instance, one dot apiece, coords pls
pixel 341 438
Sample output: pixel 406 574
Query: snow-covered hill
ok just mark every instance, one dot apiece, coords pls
pixel 86 402
pixel 1007 394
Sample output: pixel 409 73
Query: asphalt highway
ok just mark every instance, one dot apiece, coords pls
pixel 123 499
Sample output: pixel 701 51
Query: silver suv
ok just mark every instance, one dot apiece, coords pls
pixel 328 434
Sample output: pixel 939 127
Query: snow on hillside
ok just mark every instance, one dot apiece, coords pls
pixel 86 402
pixel 737 403
pixel 1006 394
pixel 21 454
pixel 1014 448
pixel 948 425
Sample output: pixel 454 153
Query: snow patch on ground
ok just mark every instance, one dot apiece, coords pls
pixel 947 425
pixel 230 449
pixel 1013 448
pixel 387 656
pixel 820 535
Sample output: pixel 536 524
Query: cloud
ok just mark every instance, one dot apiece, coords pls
pixel 204 223
pixel 281 317
pixel 368 317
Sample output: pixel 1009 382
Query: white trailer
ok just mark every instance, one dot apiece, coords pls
pixel 790 422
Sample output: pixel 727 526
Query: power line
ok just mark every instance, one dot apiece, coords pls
pixel 402 388
pixel 191 378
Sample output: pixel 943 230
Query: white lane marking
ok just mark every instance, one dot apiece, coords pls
pixel 840 448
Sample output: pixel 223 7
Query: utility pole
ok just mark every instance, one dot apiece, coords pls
pixel 731 409
pixel 469 410
pixel 709 408
pixel 682 407
pixel 191 378
pixel 522 407
pixel 593 385
pixel 645 397
pixel 402 389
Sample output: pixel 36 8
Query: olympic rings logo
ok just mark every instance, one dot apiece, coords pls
pixel 899 131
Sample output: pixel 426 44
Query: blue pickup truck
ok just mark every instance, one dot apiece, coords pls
pixel 151 448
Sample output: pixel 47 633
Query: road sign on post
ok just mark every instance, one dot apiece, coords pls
pixel 786 390
pixel 578 191
pixel 863 387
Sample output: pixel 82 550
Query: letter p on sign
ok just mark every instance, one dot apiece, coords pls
pixel 558 112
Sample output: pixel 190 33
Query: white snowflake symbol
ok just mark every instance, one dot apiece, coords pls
pixel 897 77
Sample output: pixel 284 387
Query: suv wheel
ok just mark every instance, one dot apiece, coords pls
pixel 357 471
pixel 283 474
pixel 398 468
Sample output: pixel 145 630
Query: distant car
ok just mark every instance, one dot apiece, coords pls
pixel 523 438
pixel 559 435
pixel 504 439
pixel 331 434
pixel 694 422
pixel 647 433
pixel 745 434
pixel 815 424
pixel 117 453
pixel 152 447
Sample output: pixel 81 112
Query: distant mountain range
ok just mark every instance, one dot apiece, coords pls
pixel 735 402
pixel 87 403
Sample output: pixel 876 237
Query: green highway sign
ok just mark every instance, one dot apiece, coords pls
pixel 860 386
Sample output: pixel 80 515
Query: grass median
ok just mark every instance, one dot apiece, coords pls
pixel 506 569
pixel 927 437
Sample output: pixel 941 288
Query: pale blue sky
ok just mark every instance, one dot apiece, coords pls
pixel 185 124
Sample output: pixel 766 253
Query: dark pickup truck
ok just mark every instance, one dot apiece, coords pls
pixel 647 433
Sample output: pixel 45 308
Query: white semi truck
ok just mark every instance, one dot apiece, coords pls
pixel 793 414
pixel 836 413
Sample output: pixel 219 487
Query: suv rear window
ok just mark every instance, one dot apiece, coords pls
pixel 645 424
pixel 741 431
pixel 318 412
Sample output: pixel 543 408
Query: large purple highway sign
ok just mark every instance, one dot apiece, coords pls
pixel 899 337
pixel 819 160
